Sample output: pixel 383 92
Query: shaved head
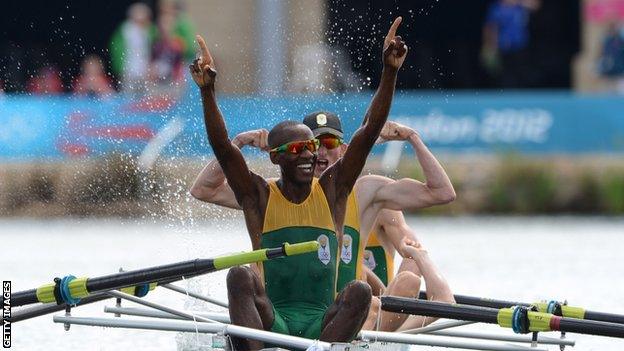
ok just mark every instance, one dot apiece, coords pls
pixel 287 131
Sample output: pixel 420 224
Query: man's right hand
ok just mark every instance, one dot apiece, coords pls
pixel 410 248
pixel 256 138
pixel 203 68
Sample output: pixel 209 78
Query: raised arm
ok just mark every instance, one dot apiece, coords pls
pixel 409 193
pixel 346 171
pixel 211 186
pixel 240 179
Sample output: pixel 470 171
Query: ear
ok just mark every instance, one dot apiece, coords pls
pixel 274 156
pixel 343 149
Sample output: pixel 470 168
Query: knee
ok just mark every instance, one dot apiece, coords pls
pixel 240 279
pixel 358 291
pixel 408 281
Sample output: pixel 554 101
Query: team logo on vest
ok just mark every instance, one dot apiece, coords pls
pixel 324 252
pixel 369 260
pixel 345 252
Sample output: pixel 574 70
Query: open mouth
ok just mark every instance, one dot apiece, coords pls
pixel 306 168
pixel 322 164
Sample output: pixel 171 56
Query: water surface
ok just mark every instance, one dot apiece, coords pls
pixel 523 259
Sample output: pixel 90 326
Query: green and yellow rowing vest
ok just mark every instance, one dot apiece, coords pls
pixel 378 260
pixel 307 281
pixel 350 265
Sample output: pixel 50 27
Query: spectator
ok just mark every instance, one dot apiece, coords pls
pixel 46 81
pixel 183 26
pixel 506 40
pixel 611 62
pixel 167 53
pixel 130 48
pixel 92 80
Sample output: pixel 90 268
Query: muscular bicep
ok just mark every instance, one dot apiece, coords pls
pixel 224 196
pixel 240 179
pixel 405 194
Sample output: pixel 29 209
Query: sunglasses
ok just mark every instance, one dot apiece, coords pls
pixel 330 142
pixel 296 147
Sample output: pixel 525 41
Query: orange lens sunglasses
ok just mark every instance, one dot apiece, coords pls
pixel 330 142
pixel 296 147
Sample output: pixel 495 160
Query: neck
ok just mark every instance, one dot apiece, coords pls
pixel 294 192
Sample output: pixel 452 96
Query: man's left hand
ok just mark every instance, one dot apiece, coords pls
pixel 394 49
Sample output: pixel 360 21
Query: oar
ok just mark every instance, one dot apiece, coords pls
pixel 520 319
pixel 29 312
pixel 69 289
pixel 548 307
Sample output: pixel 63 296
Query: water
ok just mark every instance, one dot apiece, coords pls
pixel 524 259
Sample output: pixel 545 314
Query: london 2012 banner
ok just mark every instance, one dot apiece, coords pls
pixel 62 127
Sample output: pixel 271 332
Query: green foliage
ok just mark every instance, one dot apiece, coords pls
pixel 113 178
pixel 612 193
pixel 521 187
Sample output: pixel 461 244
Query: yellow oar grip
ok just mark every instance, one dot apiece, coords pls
pixel 566 311
pixel 573 312
pixel 239 259
pixel 261 255
pixel 538 321
pixel 296 249
pixel 78 288
pixel 45 293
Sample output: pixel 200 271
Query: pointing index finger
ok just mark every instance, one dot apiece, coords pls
pixel 393 29
pixel 203 49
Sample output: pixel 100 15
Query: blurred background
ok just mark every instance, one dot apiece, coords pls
pixel 101 136
pixel 520 99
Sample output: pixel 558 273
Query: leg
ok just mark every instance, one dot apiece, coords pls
pixel 345 317
pixel 373 312
pixel 373 280
pixel 437 288
pixel 249 305
pixel 409 265
pixel 405 284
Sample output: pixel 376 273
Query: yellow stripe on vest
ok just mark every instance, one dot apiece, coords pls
pixel 313 211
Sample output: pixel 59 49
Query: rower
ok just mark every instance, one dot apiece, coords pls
pixel 361 206
pixel 390 235
pixel 389 225
pixel 297 297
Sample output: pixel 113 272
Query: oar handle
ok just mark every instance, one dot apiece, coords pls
pixel 264 254
pixel 300 248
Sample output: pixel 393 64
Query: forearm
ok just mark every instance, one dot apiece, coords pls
pixel 215 124
pixel 229 156
pixel 349 167
pixel 378 110
pixel 435 177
